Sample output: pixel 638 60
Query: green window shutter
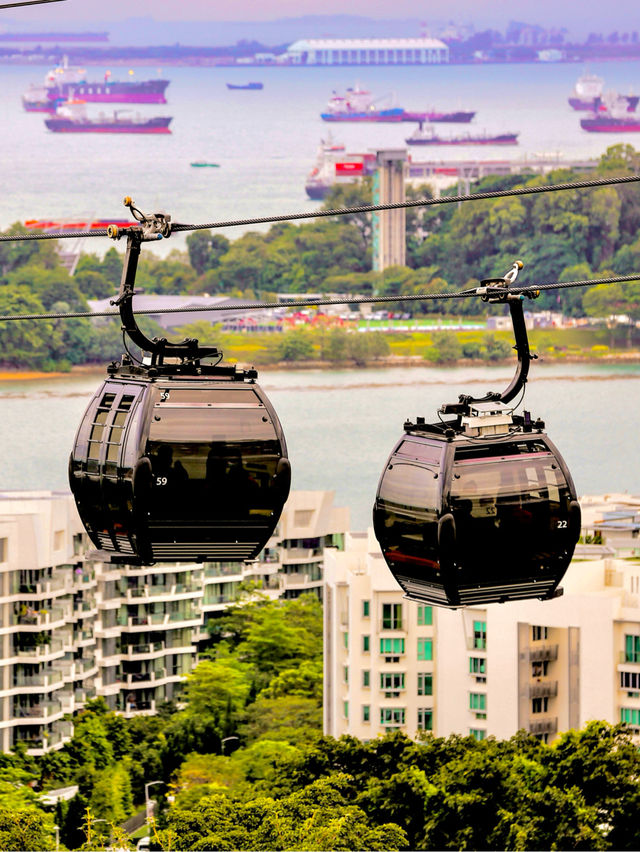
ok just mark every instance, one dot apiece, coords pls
pixel 425 649
pixel 425 615
pixel 346 709
pixel 365 609
pixel 366 712
pixel 365 642
pixel 366 677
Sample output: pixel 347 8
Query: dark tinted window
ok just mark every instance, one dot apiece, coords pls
pixel 203 425
pixel 240 395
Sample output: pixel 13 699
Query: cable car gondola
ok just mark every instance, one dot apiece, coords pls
pixel 481 508
pixel 176 459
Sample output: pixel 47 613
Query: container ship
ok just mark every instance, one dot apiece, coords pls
pixel 428 136
pixel 71 118
pixel 358 105
pixel 66 82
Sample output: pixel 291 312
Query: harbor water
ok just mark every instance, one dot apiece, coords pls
pixel 341 425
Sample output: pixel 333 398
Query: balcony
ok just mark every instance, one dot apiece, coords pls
pixel 51 586
pixel 295 554
pixel 39 618
pixel 629 659
pixel 41 680
pixel 145 649
pixel 55 646
pixel 543 652
pixel 543 726
pixel 42 710
pixel 223 570
pixel 547 689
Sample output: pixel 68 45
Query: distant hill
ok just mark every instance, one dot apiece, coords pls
pixel 147 31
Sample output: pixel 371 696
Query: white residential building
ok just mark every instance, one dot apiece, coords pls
pixel 71 629
pixel 391 663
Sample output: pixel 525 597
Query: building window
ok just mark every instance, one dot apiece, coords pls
pixel 630 680
pixel 477 665
pixel 425 649
pixel 540 668
pixel 391 683
pixel 58 540
pixel 540 705
pixel 365 609
pixel 366 713
pixel 479 635
pixel 392 616
pixel 425 719
pixel 4 549
pixel 345 639
pixel 477 733
pixel 366 677
pixel 392 646
pixel 346 674
pixel 477 701
pixel 392 715
pixel 630 716
pixel 425 615
pixel 632 649
pixel 366 643
pixel 425 684
pixel 538 632
pixel 346 709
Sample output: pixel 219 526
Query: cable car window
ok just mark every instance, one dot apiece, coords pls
pixel 210 396
pixel 409 486
pixel 210 424
pixel 421 451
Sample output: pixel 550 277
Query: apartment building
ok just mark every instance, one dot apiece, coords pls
pixel 391 663
pixel 72 629
pixel 292 562
pixel 48 615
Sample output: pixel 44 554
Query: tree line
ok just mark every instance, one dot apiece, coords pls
pixel 563 236
pixel 244 764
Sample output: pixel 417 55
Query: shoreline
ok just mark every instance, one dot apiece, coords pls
pixel 632 357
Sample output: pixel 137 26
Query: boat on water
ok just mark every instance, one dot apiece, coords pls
pixel 65 82
pixel 252 86
pixel 428 136
pixel 205 165
pixel 335 166
pixel 358 105
pixel 605 122
pixel 589 94
pixel 71 117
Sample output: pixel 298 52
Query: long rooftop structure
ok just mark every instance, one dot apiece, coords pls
pixel 367 51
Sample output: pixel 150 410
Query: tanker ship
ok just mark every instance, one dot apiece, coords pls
pixel 358 105
pixel 65 82
pixel 71 117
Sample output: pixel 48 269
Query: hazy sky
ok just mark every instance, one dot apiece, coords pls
pixel 579 15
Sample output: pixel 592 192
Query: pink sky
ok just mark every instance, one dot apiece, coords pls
pixel 620 14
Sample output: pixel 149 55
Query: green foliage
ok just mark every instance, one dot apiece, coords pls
pixel 445 348
pixel 26 829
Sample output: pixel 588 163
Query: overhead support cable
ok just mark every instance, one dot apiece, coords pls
pixel 343 211
pixel 523 290
pixel 28 3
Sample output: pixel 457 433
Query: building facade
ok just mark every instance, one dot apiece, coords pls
pixel 389 227
pixel 545 667
pixel 367 51
pixel 72 629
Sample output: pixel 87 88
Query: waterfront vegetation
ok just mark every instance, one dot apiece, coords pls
pixel 571 235
pixel 242 764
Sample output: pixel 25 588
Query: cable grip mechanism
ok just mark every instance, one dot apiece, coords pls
pixel 153 226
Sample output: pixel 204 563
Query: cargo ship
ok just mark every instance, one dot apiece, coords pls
pixel 358 105
pixel 71 118
pixel 335 166
pixel 428 136
pixel 601 122
pixel 66 82
pixel 589 94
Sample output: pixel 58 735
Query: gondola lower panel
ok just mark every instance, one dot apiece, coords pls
pixel 466 522
pixel 180 469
